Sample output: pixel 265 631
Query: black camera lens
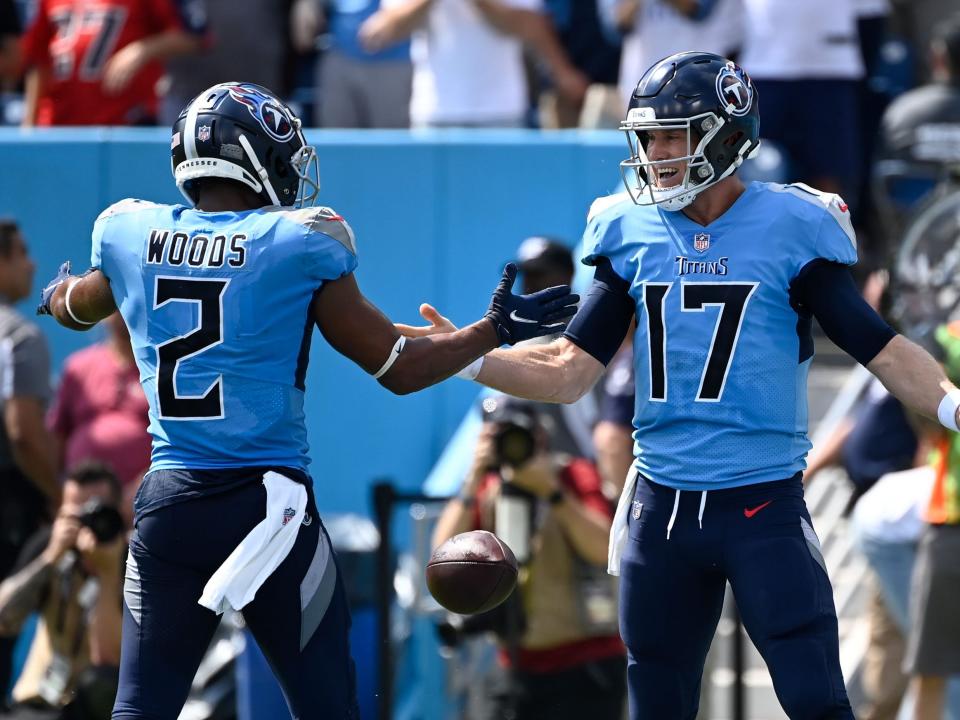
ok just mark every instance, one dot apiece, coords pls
pixel 516 420
pixel 104 520
pixel 515 445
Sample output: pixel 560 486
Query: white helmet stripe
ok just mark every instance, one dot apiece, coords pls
pixel 190 130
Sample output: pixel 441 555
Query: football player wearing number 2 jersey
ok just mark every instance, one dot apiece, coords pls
pixel 220 297
pixel 724 279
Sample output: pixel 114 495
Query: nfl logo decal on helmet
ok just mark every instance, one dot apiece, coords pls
pixel 203 133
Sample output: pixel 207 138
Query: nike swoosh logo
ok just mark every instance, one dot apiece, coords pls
pixel 750 512
pixel 514 316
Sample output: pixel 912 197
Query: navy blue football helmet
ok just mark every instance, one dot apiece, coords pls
pixel 709 97
pixel 243 132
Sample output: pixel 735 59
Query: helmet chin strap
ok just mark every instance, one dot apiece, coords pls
pixel 261 171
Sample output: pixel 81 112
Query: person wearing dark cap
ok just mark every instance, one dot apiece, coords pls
pixel 544 262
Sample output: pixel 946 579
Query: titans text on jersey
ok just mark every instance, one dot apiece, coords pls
pixel 721 352
pixel 686 266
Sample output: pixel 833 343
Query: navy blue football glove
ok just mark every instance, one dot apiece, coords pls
pixel 521 317
pixel 46 295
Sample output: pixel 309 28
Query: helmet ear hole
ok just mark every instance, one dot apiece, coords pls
pixel 734 139
pixel 280 167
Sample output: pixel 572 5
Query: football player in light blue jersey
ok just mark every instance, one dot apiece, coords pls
pixel 723 279
pixel 220 297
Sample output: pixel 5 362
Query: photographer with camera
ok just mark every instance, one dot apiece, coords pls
pixel 72 575
pixel 560 653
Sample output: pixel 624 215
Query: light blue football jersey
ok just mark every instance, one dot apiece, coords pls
pixel 217 304
pixel 721 356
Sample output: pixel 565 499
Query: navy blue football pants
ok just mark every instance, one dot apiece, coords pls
pixel 760 539
pixel 175 550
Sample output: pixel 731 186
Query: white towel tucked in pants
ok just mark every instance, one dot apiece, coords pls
pixel 618 529
pixel 236 582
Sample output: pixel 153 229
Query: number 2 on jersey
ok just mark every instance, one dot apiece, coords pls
pixel 731 297
pixel 207 294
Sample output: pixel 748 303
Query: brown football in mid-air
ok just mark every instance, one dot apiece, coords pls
pixel 472 572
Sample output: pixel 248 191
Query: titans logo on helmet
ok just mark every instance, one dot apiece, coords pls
pixel 266 111
pixel 735 89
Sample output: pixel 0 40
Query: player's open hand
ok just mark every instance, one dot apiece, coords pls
pixel 438 324
pixel 46 295
pixel 522 317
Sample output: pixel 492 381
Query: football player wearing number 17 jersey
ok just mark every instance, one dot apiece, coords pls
pixel 220 297
pixel 724 280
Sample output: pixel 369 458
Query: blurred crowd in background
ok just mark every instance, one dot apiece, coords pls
pixel 826 70
pixel 860 97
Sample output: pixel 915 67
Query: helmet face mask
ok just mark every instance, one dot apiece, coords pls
pixel 306 165
pixel 244 133
pixel 639 171
pixel 711 100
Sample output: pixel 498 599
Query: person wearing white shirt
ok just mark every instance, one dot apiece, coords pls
pixel 804 58
pixel 467 58
pixel 658 28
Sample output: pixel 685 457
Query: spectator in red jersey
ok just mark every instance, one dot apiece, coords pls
pixel 97 62
pixel 100 411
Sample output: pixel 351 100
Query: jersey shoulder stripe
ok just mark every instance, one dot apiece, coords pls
pixel 127 206
pixel 326 221
pixel 831 202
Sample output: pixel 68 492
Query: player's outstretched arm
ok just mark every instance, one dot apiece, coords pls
pixel 357 329
pixel 77 302
pixel 559 372
pixel 911 374
pixel 555 372
pixel 908 371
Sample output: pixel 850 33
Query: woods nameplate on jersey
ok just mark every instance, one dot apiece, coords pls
pixel 167 247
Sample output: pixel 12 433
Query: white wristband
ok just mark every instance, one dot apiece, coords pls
pixel 471 371
pixel 392 358
pixel 66 303
pixel 947 412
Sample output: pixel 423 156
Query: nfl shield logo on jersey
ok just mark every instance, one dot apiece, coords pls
pixel 203 133
pixel 701 242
